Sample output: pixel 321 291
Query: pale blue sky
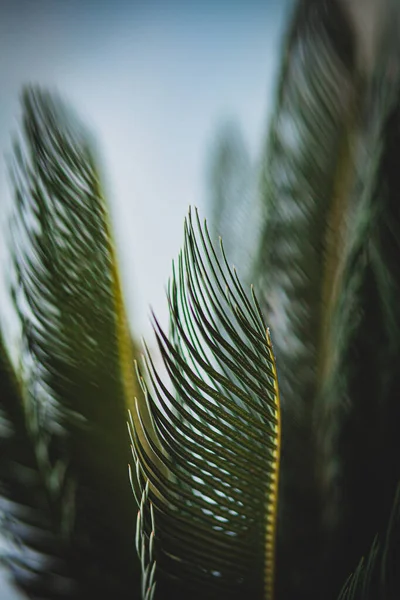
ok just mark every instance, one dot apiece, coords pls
pixel 153 79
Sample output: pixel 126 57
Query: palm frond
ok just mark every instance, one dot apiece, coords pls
pixel 359 431
pixel 213 481
pixel 78 356
pixel 306 179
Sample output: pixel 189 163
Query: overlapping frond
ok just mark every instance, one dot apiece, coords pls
pixel 213 478
pixel 360 431
pixel 307 175
pixel 78 357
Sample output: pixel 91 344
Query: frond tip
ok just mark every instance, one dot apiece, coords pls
pixel 377 576
pixel 214 440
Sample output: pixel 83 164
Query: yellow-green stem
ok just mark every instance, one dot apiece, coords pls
pixel 272 500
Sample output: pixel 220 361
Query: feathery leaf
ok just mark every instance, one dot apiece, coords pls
pixel 306 178
pixel 213 480
pixel 78 359
pixel 361 409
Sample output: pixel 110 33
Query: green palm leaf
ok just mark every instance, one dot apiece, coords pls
pixel 78 358
pixel 306 179
pixel 213 480
pixel 361 397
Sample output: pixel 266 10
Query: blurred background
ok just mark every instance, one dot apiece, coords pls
pixel 163 85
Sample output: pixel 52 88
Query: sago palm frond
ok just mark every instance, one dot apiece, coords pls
pixel 212 481
pixel 78 356
pixel 362 412
pixel 306 179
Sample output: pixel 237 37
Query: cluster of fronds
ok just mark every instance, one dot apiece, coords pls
pixel 243 488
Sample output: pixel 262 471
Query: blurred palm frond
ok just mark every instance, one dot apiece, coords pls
pixel 306 177
pixel 78 361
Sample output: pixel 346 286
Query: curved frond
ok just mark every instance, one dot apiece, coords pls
pixel 213 481
pixel 78 352
pixel 360 428
pixel 306 178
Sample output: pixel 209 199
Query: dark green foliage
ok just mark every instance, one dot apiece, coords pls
pixel 362 412
pixel 377 576
pixel 327 273
pixel 305 182
pixel 31 517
